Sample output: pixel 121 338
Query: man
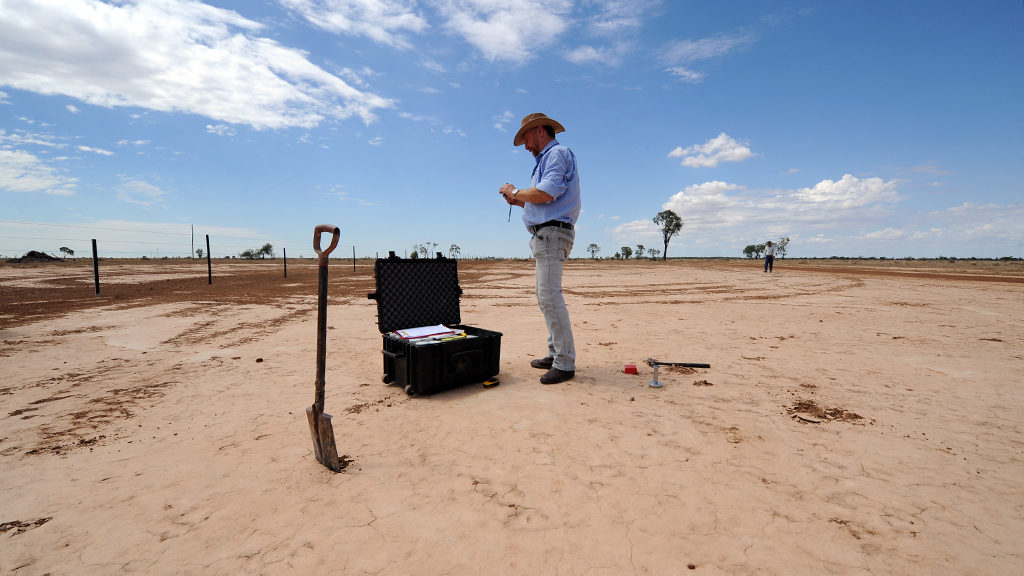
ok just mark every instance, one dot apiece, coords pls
pixel 551 206
pixel 769 256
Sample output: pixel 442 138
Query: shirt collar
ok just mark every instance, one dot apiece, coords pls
pixel 550 145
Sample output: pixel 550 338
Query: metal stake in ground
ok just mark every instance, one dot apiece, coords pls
pixel 320 427
pixel 654 364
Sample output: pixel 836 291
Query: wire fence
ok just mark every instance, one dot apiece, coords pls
pixel 19 237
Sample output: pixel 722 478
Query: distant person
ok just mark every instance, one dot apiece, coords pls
pixel 551 206
pixel 769 256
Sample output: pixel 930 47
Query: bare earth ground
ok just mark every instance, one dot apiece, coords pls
pixel 859 417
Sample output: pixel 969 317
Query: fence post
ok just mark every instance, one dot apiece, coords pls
pixel 285 252
pixel 209 266
pixel 353 257
pixel 95 267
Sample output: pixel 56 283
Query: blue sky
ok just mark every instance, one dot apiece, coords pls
pixel 854 128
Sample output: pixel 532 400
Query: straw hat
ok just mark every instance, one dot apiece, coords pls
pixel 534 120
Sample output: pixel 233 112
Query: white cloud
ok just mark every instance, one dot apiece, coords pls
pixel 72 108
pixel 886 234
pixel 3 98
pixel 679 56
pixel 502 119
pixel 515 32
pixel 615 18
pixel 23 172
pixel 685 74
pixel 849 209
pixel 99 151
pixel 417 117
pixel 23 138
pixel 138 192
pixel 171 56
pixel 583 55
pixel 710 203
pixel 721 148
pixel 376 141
pixel 608 56
pixel 433 66
pixel 636 230
pixel 848 192
pixel 382 21
pixel 220 130
pixel 995 225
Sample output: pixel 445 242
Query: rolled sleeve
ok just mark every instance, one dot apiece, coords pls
pixel 556 172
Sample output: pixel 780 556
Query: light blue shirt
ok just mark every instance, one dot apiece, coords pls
pixel 556 175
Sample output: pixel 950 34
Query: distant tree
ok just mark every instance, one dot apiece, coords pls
pixel 199 252
pixel 414 256
pixel 266 250
pixel 670 224
pixel 425 249
pixel 653 252
pixel 593 249
pixel 750 251
pixel 781 245
pixel 627 252
pixel 453 251
pixel 639 251
pixel 67 251
pixel 248 254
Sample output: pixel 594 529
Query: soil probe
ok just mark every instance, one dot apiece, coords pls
pixel 654 364
pixel 320 427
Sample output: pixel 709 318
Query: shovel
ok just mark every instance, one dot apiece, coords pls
pixel 320 427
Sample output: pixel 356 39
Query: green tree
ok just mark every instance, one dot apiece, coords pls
pixel 670 224
pixel 67 251
pixel 639 251
pixel 266 250
pixel 593 249
pixel 248 254
pixel 199 252
pixel 781 245
pixel 453 251
pixel 627 252
pixel 653 253
pixel 750 251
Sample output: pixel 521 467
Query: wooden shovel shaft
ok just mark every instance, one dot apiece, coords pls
pixel 321 311
pixel 321 340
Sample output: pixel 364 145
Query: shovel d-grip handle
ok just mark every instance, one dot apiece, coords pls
pixel 336 234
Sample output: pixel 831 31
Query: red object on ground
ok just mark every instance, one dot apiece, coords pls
pixel 630 369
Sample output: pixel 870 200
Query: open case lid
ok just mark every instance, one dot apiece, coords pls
pixel 416 292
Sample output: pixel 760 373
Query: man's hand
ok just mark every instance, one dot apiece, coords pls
pixel 507 191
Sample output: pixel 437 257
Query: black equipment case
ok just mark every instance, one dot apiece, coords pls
pixel 415 292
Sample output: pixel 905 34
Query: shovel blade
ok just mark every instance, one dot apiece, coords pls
pixel 322 432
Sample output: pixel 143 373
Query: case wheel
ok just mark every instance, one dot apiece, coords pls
pixel 409 390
